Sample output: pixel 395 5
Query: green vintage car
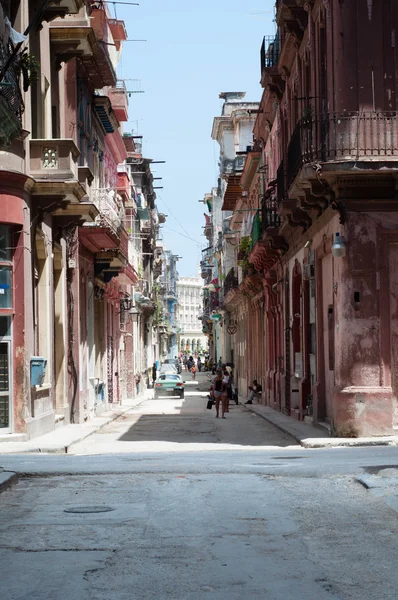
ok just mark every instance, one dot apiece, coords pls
pixel 169 384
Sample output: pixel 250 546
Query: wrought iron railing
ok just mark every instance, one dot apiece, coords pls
pixel 111 214
pixel 121 85
pixel 207 254
pixel 214 301
pixel 269 211
pixel 270 51
pixel 231 281
pixel 346 136
pixel 10 93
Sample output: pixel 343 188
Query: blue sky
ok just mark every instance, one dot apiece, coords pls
pixel 195 50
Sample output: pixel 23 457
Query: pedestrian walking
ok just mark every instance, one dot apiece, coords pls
pixel 154 373
pixel 193 371
pixel 219 394
pixel 199 363
pixel 228 388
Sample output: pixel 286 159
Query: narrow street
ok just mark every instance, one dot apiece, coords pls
pixel 208 184
pixel 169 502
pixel 170 423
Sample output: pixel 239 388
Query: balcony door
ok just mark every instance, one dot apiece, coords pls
pixel 5 376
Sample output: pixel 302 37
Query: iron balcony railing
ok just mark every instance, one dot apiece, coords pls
pixel 207 254
pixel 280 182
pixel 269 213
pixel 270 51
pixel 214 301
pixel 343 137
pixel 111 215
pixel 10 93
pixel 231 281
pixel 121 85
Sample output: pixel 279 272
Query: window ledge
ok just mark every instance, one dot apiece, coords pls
pixel 42 388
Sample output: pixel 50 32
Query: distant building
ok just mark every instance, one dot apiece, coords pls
pixel 168 327
pixel 189 291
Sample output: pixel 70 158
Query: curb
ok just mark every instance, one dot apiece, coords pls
pixel 64 449
pixel 271 422
pixel 7 479
pixel 330 442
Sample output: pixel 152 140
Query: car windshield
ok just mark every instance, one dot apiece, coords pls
pixel 169 376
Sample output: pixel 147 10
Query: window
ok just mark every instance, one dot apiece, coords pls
pixel 5 268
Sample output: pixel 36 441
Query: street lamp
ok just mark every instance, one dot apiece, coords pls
pixel 133 314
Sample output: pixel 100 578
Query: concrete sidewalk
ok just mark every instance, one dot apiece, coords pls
pixel 311 437
pixel 62 438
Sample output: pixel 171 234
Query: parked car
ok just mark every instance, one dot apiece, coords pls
pixel 168 368
pixel 175 362
pixel 169 384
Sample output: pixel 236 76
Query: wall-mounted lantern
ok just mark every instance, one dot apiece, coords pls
pixel 339 248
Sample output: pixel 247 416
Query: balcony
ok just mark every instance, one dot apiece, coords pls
pixel 123 184
pixel 270 218
pixel 106 237
pixel 118 31
pixel 11 103
pixel 107 55
pixel 232 165
pixel 119 101
pixel 267 243
pixel 54 167
pixel 230 282
pixel 89 39
pixel 170 294
pixel 207 254
pixel 344 139
pixel 61 8
pixel 111 212
pixel 72 37
pixel 214 302
pixel 293 15
pixel 269 54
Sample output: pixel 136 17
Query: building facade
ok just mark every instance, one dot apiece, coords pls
pixel 168 302
pixel 233 131
pixel 78 222
pixel 190 308
pixel 312 293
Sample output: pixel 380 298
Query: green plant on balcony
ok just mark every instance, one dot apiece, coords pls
pixel 244 251
pixel 245 244
pixel 28 67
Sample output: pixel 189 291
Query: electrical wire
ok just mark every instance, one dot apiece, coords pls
pixel 183 235
pixel 173 215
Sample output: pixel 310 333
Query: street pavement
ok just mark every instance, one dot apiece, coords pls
pixel 198 508
pixel 171 424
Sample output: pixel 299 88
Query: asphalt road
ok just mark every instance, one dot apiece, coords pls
pixel 199 509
